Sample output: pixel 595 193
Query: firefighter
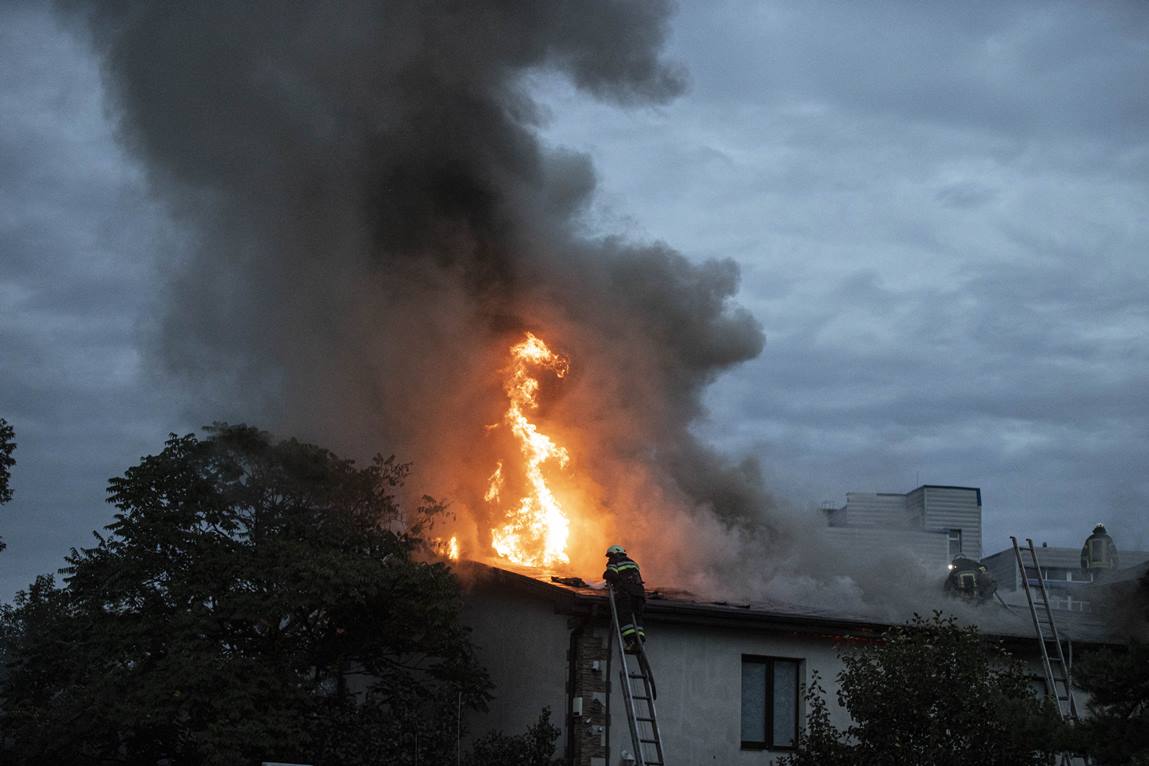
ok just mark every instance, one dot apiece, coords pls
pixel 629 596
pixel 1099 554
pixel 970 580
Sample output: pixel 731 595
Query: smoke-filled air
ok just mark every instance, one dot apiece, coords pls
pixel 379 254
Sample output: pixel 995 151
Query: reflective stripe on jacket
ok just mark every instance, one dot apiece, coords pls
pixel 624 574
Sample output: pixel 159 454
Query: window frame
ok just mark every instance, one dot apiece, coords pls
pixel 953 535
pixel 768 699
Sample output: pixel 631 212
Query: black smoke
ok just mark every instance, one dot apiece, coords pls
pixel 371 220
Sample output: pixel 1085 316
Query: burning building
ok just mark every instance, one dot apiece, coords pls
pixel 380 253
pixel 730 673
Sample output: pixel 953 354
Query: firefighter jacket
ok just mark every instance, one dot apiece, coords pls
pixel 1099 552
pixel 622 573
pixel 971 581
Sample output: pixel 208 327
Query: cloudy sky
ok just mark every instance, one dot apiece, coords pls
pixel 940 214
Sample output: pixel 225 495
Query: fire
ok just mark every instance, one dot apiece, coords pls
pixel 495 484
pixel 448 548
pixel 536 530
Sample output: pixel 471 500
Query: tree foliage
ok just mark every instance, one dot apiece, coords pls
pixel 931 692
pixel 536 747
pixel 7 447
pixel 1116 732
pixel 252 600
pixel 821 744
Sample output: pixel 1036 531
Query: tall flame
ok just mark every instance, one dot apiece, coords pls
pixel 535 532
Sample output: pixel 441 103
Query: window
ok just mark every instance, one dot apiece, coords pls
pixel 955 542
pixel 769 703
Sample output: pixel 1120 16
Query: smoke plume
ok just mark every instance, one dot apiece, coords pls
pixel 372 220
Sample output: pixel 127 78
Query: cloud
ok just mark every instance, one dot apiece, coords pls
pixel 939 217
pixel 938 212
pixel 76 232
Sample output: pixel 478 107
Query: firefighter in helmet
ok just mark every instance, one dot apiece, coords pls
pixel 629 596
pixel 1099 554
pixel 969 580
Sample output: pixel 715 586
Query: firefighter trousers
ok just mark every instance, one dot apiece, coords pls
pixel 630 609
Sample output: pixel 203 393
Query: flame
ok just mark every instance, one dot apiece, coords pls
pixel 448 548
pixel 536 531
pixel 495 484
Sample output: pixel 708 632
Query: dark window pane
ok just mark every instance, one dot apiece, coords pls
pixel 785 691
pixel 753 702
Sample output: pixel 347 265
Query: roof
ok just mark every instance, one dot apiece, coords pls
pixel 1134 572
pixel 575 596
pixel 1070 558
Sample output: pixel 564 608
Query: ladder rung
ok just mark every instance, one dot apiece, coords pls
pixel 635 675
pixel 636 697
pixel 649 741
pixel 648 720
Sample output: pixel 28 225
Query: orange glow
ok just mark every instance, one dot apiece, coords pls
pixel 448 548
pixel 536 530
pixel 495 484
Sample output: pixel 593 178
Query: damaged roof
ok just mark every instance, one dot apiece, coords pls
pixel 572 595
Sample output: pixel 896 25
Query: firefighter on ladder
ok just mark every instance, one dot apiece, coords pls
pixel 629 596
pixel 1099 554
pixel 969 580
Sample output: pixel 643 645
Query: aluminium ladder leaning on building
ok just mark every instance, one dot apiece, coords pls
pixel 644 732
pixel 1059 688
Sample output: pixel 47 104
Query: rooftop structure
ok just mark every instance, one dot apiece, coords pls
pixel 933 522
pixel 1070 587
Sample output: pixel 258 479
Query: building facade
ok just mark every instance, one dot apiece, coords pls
pixel 933 522
pixel 1070 587
pixel 730 676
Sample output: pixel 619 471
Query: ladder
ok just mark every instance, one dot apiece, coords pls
pixel 640 713
pixel 1059 688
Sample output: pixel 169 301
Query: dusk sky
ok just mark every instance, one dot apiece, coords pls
pixel 939 210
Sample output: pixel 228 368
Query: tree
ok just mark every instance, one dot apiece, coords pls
pixel 1116 732
pixel 933 692
pixel 536 747
pixel 7 447
pixel 251 601
pixel 820 744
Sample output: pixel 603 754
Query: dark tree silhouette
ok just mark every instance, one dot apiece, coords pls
pixel 931 692
pixel 251 601
pixel 1116 732
pixel 7 447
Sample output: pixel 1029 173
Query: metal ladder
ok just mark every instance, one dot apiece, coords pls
pixel 1060 689
pixel 644 732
